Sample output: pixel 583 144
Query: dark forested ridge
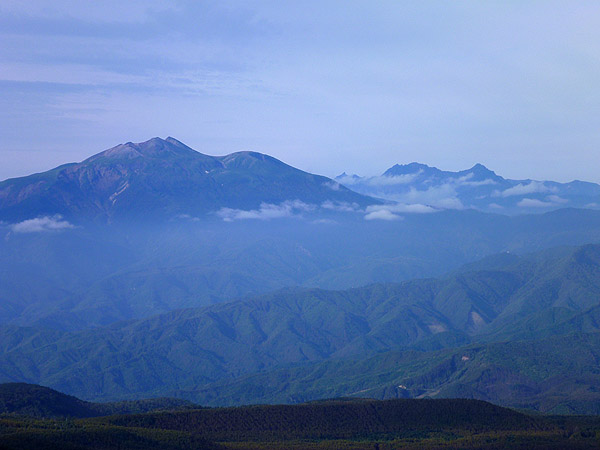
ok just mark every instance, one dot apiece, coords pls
pixel 32 400
pixel 329 424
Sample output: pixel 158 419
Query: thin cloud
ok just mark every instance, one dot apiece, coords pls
pixel 394 179
pixel 414 208
pixel 486 182
pixel 534 187
pixel 442 196
pixel 333 185
pixel 380 180
pixel 340 206
pixel 556 199
pixel 42 224
pixel 382 214
pixel 266 211
pixel 534 203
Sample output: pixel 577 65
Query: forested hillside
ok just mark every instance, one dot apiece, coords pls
pixel 498 330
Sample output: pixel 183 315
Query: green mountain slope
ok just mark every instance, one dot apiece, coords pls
pixel 190 351
pixel 558 375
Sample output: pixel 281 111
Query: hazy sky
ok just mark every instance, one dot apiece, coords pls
pixel 323 85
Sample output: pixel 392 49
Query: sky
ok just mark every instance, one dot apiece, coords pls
pixel 326 86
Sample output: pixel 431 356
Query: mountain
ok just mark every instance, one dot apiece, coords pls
pixel 477 187
pixel 184 353
pixel 163 179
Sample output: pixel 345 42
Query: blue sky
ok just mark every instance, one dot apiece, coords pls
pixel 326 86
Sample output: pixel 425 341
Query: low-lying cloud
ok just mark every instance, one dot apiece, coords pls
pixel 390 212
pixel 534 203
pixel 380 180
pixel 266 211
pixel 295 208
pixel 414 208
pixel 549 202
pixel 340 206
pixel 534 187
pixel 42 224
pixel 333 185
pixel 382 214
pixel 442 196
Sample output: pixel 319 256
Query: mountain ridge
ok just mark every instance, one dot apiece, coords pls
pixel 163 178
pixel 477 187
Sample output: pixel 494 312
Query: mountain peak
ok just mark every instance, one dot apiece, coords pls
pixel 248 160
pixel 345 176
pixel 408 169
pixel 480 172
pixel 152 148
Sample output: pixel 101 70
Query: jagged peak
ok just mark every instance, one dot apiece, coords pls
pixel 344 175
pixel 408 169
pixel 480 171
pixel 478 167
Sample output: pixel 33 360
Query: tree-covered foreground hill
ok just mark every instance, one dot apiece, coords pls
pixel 330 424
pixel 36 401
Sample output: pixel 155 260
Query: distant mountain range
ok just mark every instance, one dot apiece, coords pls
pixel 163 179
pixel 477 187
pixel 479 314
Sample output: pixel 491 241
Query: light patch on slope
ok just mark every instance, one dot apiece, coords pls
pixel 113 197
pixel 437 328
pixel 477 320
